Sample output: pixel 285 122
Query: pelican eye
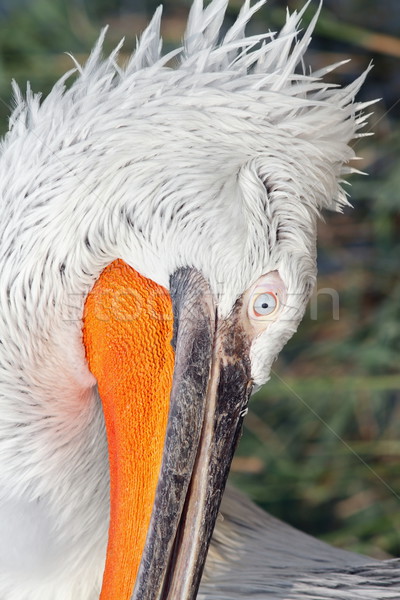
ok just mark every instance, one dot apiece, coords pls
pixel 264 301
pixel 265 304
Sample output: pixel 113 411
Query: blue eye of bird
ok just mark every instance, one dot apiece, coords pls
pixel 265 304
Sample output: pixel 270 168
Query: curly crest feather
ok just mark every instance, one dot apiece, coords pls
pixel 261 71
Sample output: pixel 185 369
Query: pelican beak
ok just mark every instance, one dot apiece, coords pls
pixel 210 391
pixel 173 415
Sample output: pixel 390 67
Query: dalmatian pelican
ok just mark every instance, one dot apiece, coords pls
pixel 158 245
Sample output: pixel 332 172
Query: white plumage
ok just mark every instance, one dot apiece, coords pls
pixel 222 163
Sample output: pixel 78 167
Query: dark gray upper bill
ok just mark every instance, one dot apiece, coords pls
pixel 211 387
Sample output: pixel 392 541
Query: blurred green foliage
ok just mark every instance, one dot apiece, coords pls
pixel 322 439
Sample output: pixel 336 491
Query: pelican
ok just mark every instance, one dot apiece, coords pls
pixel 158 248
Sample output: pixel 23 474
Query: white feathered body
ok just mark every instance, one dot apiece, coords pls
pixel 223 164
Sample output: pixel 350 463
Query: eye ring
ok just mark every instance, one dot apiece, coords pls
pixel 264 305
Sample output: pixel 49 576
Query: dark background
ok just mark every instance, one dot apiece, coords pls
pixel 322 439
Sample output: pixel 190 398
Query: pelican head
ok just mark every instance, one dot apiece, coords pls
pixel 158 248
